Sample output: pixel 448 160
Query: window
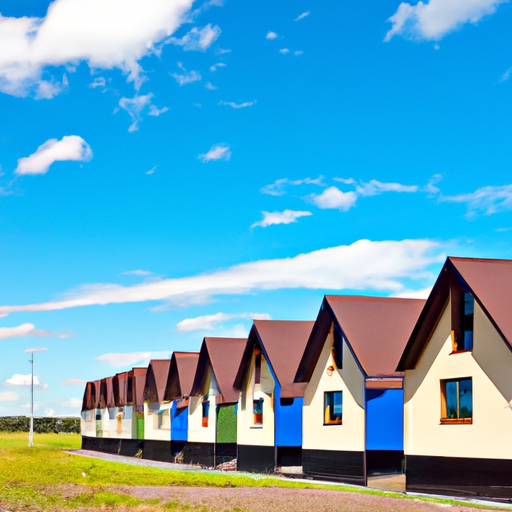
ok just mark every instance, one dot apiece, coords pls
pixel 457 401
pixel 463 308
pixel 337 347
pixel 257 366
pixel 164 419
pixel 257 410
pixel 206 412
pixel 129 391
pixel 112 411
pixel 333 407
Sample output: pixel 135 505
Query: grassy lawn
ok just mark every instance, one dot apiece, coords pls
pixel 44 478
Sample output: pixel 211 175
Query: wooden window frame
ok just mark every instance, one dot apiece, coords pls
pixel 327 415
pixel 454 421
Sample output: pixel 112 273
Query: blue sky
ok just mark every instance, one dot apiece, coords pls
pixel 171 169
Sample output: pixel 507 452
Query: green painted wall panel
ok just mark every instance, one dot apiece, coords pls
pixel 226 424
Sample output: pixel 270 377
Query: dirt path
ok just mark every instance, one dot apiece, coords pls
pixel 251 499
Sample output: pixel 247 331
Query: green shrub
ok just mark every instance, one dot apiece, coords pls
pixel 41 425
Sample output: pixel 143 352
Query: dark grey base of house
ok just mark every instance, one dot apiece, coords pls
pixel 459 476
pixel 199 453
pixel 289 455
pixel 347 467
pixel 224 452
pixel 255 459
pixel 163 451
pixel 128 447
pixel 384 462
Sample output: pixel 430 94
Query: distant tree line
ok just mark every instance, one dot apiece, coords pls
pixel 41 425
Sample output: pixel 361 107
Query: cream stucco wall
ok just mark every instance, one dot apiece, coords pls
pixel 489 365
pixel 152 430
pixel 350 435
pixel 88 423
pixel 247 432
pixel 196 432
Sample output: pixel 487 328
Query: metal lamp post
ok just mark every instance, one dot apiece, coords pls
pixel 31 432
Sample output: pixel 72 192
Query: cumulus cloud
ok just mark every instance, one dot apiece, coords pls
pixel 24 380
pixel 486 200
pixel 186 77
pixel 334 198
pixel 284 51
pixel 120 359
pixel 138 272
pixel 198 40
pixel 271 35
pixel 155 111
pixel 211 322
pixel 73 382
pixel 301 16
pixel 363 265
pixel 374 188
pixel 99 81
pixel 218 152
pixel 506 75
pixel 26 330
pixel 298 52
pixel 69 148
pixel 286 217
pixel 105 34
pixel 414 294
pixel 218 65
pixel 75 403
pixel 210 86
pixel 134 106
pixel 434 19
pixel 278 187
pixel 237 105
pixel 9 396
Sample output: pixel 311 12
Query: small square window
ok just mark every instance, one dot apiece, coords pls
pixel 333 407
pixel 258 411
pixel 457 401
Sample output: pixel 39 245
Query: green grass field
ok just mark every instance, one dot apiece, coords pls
pixel 45 478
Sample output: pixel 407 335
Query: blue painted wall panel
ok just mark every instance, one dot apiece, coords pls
pixel 179 423
pixel 384 419
pixel 288 421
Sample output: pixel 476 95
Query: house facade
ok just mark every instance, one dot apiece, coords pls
pixel 458 390
pixel 353 396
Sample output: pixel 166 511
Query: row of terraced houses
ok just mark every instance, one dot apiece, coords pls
pixel 374 385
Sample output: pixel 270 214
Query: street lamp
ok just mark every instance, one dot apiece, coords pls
pixel 31 433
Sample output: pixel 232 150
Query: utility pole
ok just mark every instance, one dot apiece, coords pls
pixel 31 361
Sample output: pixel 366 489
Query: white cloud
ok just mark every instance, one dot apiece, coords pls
pixel 414 294
pixel 221 51
pixel 198 40
pixel 106 34
pixel 506 75
pixel 374 188
pixel 298 52
pixel 211 322
pixel 271 35
pixel 155 111
pixel 9 396
pixel 334 198
pixel 363 265
pixel 218 65
pixel 186 77
pixel 134 106
pixel 286 217
pixel 436 18
pixel 210 86
pixel 138 272
pixel 237 105
pixel 218 152
pixel 24 380
pixel 430 187
pixel 99 81
pixel 118 360
pixel 73 382
pixel 487 200
pixel 26 330
pixel 301 16
pixel 152 170
pixel 75 403
pixel 284 51
pixel 277 188
pixel 69 148
pixel 49 411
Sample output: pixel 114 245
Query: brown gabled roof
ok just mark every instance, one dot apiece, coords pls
pixel 223 355
pixel 106 397
pixel 139 377
pixel 120 388
pixel 488 280
pixel 375 328
pixel 91 395
pixel 283 343
pixel 156 380
pixel 181 375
